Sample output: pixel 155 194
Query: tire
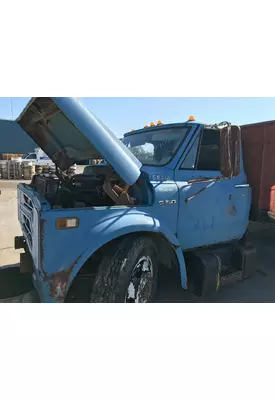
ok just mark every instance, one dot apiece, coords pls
pixel 127 273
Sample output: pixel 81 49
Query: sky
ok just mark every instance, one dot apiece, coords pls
pixel 122 114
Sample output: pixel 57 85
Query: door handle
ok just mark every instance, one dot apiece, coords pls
pixel 245 185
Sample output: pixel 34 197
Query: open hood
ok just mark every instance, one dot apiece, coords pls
pixel 68 133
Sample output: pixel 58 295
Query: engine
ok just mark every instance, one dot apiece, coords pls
pixel 98 185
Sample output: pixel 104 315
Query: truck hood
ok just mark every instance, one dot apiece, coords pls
pixel 68 133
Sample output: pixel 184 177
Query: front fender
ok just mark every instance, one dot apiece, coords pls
pixel 66 251
pixel 107 230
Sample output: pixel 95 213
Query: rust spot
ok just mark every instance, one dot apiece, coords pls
pixel 60 281
pixel 232 210
pixel 59 284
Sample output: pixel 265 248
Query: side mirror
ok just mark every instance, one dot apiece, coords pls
pixel 230 142
pixel 236 149
pixel 226 152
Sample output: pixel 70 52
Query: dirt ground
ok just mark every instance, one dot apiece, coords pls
pixel 259 288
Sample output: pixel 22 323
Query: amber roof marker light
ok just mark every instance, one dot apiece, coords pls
pixel 191 118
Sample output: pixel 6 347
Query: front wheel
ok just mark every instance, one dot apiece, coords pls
pixel 127 274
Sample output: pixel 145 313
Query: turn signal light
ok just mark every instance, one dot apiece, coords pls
pixel 67 223
pixel 191 118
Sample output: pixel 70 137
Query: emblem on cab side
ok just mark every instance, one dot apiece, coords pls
pixel 167 202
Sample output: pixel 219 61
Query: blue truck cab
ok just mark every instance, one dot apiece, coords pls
pixel 173 195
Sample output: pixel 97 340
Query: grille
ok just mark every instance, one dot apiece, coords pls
pixel 26 216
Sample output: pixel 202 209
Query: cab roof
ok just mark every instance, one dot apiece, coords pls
pixel 163 126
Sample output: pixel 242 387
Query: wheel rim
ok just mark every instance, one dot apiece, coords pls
pixel 141 283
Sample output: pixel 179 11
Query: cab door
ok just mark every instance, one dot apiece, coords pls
pixel 211 209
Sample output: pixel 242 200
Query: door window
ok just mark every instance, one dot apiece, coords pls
pixel 209 154
pixel 190 160
pixel 204 154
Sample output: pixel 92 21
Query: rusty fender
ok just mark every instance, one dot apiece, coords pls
pixel 59 281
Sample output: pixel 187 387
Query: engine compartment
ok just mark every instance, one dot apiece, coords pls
pixel 98 185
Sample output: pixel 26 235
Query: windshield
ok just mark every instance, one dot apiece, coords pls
pixel 30 156
pixel 156 147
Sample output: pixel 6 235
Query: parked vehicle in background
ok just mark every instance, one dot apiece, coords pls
pixel 175 195
pixel 38 157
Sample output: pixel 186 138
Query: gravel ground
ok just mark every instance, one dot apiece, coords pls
pixel 259 288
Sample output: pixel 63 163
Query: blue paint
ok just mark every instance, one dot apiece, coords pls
pixel 185 214
pixel 97 227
